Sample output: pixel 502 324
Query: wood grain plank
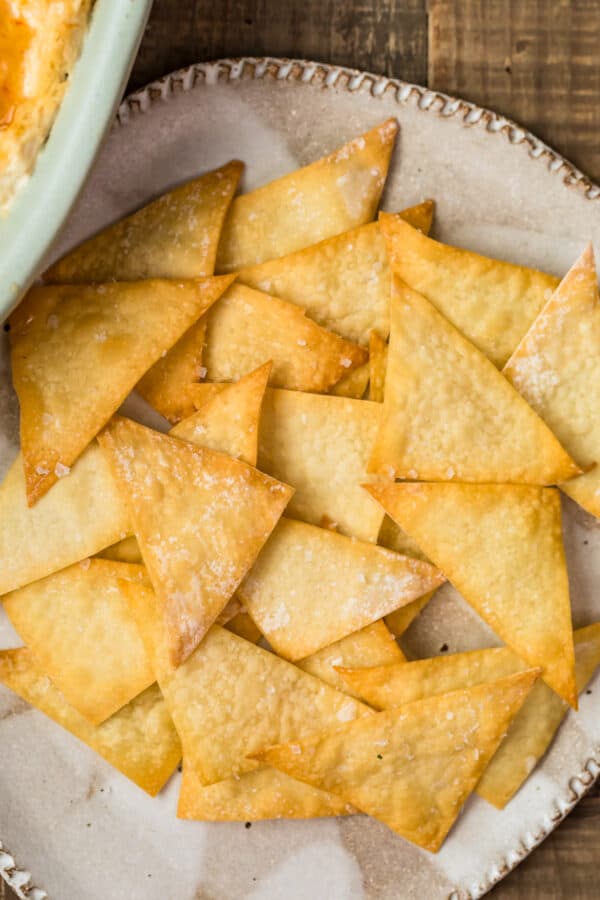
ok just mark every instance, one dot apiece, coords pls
pixel 534 61
pixel 385 36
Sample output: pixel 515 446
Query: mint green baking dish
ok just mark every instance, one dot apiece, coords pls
pixel 96 86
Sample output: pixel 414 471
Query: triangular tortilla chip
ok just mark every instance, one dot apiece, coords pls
pixel 491 302
pixel 413 767
pixel 343 283
pixel 353 385
pixel 175 236
pixel 311 587
pixel 533 729
pixel 264 794
pixel 246 328
pixel 501 547
pixel 229 422
pixel 200 518
pixel 140 740
pixel 448 413
pixel 82 515
pixel 329 196
pixel 82 635
pixel 556 368
pixel 401 619
pixel 320 445
pixel 378 351
pixel 77 352
pixel 125 551
pixel 371 646
pixel 230 697
pixel 164 385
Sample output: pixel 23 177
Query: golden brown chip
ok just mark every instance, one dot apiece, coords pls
pixel 448 413
pixel 501 547
pixel 82 635
pixel 229 422
pixel 311 587
pixel 263 794
pixel 556 368
pixel 125 551
pixel 401 619
pixel 244 626
pixel 246 328
pixel 140 740
pixel 230 697
pixel 329 196
pixel 412 767
pixel 200 518
pixel 77 352
pixel 80 516
pixel 491 302
pixel 343 283
pixel 374 645
pixel 377 367
pixel 175 236
pixel 353 385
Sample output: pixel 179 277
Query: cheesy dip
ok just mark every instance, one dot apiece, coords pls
pixel 40 41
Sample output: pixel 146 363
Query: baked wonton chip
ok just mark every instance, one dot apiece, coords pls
pixel 263 794
pixel 378 352
pixel 244 626
pixel 200 518
pixel 556 368
pixel 401 619
pixel 175 236
pixel 501 547
pixel 125 551
pixel 311 587
pixel 353 385
pixel 77 352
pixel 246 328
pixel 229 698
pixel 78 627
pixel 491 302
pixel 229 422
pixel 374 645
pixel 412 768
pixel 448 413
pixel 139 740
pixel 343 283
pixel 329 196
pixel 82 514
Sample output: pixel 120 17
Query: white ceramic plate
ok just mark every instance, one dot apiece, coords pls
pixel 81 829
pixel 96 86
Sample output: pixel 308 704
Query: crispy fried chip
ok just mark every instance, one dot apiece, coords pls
pixel 230 697
pixel 263 794
pixel 491 302
pixel 82 515
pixel 413 767
pixel 556 368
pixel 200 518
pixel 140 740
pixel 501 547
pixel 229 422
pixel 343 283
pixel 77 352
pixel 378 352
pixel 246 328
pixel 311 587
pixel 401 619
pixel 82 635
pixel 320 445
pixel 175 236
pixel 448 413
pixel 374 645
pixel 164 385
pixel 353 385
pixel 332 195
pixel 125 551
pixel 244 626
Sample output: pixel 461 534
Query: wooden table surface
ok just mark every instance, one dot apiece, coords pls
pixel 534 60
